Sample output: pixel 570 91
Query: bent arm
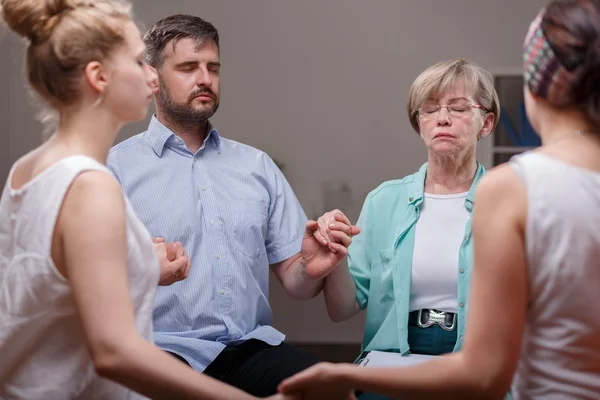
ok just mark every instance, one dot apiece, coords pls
pixel 338 287
pixel 290 273
pixel 346 289
pixel 92 232
pixel 340 295
pixel 303 275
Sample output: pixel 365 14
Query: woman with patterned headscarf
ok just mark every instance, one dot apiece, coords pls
pixel 536 228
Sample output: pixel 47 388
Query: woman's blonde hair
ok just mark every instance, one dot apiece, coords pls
pixel 442 77
pixel 63 37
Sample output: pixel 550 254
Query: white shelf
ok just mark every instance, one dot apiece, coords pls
pixel 511 149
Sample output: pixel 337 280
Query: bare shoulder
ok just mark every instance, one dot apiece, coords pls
pixel 501 191
pixel 96 185
pixel 94 196
pixel 502 181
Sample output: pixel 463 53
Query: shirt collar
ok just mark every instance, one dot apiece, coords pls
pixel 415 193
pixel 158 135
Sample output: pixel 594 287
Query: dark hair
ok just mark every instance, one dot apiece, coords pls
pixel 572 28
pixel 172 29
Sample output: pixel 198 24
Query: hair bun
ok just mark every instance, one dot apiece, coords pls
pixel 33 19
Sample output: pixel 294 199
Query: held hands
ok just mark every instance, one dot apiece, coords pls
pixel 320 382
pixel 280 396
pixel 174 262
pixel 326 243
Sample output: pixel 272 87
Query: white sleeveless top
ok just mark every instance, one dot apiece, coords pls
pixel 43 354
pixel 560 357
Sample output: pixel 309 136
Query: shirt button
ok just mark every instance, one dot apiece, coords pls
pixel 462 271
pixel 219 257
pixel 204 188
pixel 212 221
pixel 222 291
pixel 462 305
pixel 461 337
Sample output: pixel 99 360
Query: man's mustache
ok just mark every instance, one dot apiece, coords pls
pixel 198 92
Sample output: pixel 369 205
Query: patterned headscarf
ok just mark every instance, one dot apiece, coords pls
pixel 545 76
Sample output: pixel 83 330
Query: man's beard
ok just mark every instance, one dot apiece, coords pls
pixel 185 114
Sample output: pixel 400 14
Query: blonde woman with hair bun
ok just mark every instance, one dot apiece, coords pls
pixel 78 270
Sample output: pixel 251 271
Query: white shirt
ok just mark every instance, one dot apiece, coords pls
pixel 560 356
pixel 439 233
pixel 42 345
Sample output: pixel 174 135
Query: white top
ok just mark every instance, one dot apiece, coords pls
pixel 42 346
pixel 439 233
pixel 560 357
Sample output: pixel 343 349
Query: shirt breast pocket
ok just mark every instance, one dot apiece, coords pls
pixel 382 278
pixel 250 228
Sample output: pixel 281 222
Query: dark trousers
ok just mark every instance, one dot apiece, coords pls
pixel 257 367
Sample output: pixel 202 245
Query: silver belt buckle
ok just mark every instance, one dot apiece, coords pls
pixel 436 317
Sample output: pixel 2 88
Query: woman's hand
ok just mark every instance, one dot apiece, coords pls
pixel 174 262
pixel 320 382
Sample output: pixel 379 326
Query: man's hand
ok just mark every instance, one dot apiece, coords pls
pixel 326 243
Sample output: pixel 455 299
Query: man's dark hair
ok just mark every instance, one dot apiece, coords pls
pixel 172 29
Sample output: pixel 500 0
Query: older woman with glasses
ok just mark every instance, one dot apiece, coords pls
pixel 411 265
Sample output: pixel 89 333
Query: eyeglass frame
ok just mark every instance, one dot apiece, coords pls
pixel 447 107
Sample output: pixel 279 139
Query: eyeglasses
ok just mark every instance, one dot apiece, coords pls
pixel 457 110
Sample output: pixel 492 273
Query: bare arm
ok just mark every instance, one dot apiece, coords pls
pixel 340 295
pixel 91 227
pixel 339 289
pixel 324 246
pixel 296 283
pixel 485 367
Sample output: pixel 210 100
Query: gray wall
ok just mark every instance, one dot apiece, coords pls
pixel 321 86
pixel 5 74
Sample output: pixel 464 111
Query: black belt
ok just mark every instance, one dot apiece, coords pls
pixel 427 318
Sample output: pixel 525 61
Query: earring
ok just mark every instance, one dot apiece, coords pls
pixel 98 101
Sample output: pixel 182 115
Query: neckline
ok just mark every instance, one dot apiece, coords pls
pixel 19 191
pixel 580 169
pixel 446 196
